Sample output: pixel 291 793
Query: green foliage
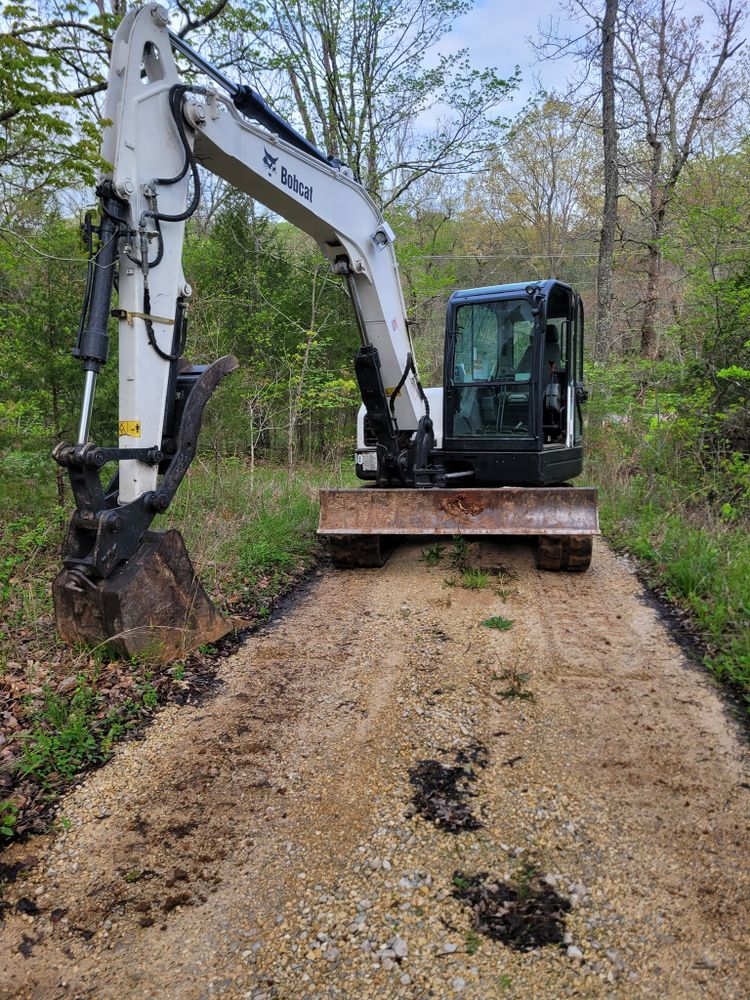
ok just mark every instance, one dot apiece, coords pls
pixel 20 541
pixel 458 557
pixel 432 554
pixel 498 622
pixel 474 579
pixel 8 818
pixel 473 942
pixel 516 685
pixel 61 741
pixel 673 472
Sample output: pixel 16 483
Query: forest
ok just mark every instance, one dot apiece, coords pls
pixel 630 180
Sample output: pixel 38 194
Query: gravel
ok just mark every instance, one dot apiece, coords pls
pixel 285 801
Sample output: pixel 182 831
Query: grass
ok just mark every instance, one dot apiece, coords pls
pixel 688 550
pixel 498 622
pixel 473 942
pixel 475 579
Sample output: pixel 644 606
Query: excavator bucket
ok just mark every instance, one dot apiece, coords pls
pixel 153 605
pixel 362 525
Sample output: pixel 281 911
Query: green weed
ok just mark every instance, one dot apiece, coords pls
pixel 8 818
pixel 432 554
pixel 475 579
pixel 150 696
pixel 473 942
pixel 526 875
pixel 61 741
pixel 458 558
pixel 516 685
pixel 498 622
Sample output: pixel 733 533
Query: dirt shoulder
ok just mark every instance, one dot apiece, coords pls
pixel 266 844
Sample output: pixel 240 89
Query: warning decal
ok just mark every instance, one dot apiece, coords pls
pixel 130 428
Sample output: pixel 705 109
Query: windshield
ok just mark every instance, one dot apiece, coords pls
pixel 493 341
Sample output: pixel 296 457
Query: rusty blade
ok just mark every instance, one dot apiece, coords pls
pixel 507 510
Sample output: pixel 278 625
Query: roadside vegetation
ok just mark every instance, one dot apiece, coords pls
pixel 63 710
pixel 674 487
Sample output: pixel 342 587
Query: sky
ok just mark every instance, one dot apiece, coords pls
pixel 497 33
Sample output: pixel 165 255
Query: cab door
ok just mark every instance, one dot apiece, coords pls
pixel 576 392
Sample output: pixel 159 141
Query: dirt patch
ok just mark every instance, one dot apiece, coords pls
pixel 284 807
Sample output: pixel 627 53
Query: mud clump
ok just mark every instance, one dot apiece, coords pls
pixel 462 506
pixel 441 791
pixel 524 914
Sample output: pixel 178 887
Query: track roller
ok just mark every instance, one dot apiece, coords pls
pixel 564 553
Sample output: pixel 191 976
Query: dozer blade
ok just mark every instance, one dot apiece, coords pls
pixel 507 510
pixel 153 606
pixel 349 517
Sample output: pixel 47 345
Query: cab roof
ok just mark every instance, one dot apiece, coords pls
pixel 501 291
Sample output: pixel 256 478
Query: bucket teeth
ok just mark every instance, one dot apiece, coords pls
pixel 154 605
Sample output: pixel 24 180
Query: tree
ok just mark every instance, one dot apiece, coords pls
pixel 361 74
pixel 673 86
pixel 537 199
pixel 53 68
pixel 671 90
pixel 604 292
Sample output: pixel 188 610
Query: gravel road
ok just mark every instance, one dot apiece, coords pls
pixel 267 843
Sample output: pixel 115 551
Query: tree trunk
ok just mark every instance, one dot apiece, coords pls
pixel 604 338
pixel 648 325
pixel 658 213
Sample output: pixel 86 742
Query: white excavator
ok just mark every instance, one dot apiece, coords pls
pixel 491 453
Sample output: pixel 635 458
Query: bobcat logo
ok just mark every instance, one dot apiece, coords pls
pixel 269 162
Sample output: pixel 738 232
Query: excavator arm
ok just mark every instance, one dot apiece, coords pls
pixel 160 130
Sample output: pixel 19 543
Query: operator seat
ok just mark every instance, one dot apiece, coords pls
pixel 551 351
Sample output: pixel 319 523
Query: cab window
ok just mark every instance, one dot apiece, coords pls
pixel 494 341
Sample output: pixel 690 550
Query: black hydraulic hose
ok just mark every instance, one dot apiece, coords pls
pixel 181 332
pixel 399 387
pixel 409 367
pixel 159 247
pixel 86 299
pixel 175 97
pixel 176 93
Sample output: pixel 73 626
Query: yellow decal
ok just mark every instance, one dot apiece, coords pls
pixel 130 428
pixel 389 390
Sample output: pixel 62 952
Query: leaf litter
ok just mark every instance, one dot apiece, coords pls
pixel 441 791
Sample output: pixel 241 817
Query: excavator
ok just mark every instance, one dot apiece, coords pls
pixel 490 453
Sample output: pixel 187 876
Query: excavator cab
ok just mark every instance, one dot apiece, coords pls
pixel 513 385
pixel 508 437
